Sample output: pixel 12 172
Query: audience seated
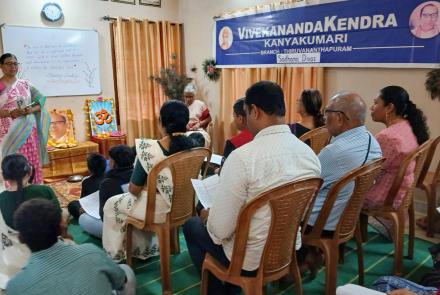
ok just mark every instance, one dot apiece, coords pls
pixel 56 267
pixel 309 107
pixel 199 117
pixel 174 116
pixel 244 136
pixel 18 172
pixel 405 130
pixel 273 158
pixel 121 163
pixel 96 164
pixel 352 146
pixel 198 139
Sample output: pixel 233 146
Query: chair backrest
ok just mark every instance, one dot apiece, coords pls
pixel 184 166
pixel 319 138
pixel 429 158
pixel 419 156
pixel 210 131
pixel 288 204
pixel 363 178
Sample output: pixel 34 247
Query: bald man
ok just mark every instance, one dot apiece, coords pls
pixel 351 147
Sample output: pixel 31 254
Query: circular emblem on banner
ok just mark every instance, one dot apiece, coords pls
pixel 225 38
pixel 424 21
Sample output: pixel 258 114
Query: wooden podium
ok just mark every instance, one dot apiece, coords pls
pixel 105 144
pixel 70 161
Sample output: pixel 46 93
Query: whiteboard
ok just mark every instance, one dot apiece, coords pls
pixel 58 62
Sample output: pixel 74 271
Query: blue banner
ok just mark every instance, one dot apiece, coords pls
pixel 358 33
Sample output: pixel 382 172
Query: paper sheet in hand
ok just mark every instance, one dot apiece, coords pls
pixel 351 289
pixel 90 203
pixel 216 159
pixel 206 189
pixel 3 282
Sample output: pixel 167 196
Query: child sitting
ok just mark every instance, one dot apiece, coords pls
pixel 96 164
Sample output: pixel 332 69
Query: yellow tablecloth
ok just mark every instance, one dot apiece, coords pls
pixel 70 161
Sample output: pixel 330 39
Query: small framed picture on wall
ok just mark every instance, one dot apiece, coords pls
pixel 125 1
pixel 150 2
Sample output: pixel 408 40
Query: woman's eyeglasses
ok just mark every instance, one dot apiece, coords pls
pixel 12 64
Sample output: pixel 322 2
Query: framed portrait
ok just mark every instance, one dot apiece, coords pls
pixel 61 131
pixel 150 2
pixel 125 1
pixel 102 117
pixel 424 21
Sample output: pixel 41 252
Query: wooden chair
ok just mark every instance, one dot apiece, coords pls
pixel 288 205
pixel 397 215
pixel 319 138
pixel 347 226
pixel 429 182
pixel 184 166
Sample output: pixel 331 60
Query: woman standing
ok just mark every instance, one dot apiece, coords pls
pixel 405 130
pixel 24 123
pixel 309 107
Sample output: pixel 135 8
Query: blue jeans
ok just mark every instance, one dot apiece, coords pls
pixel 91 225
pixel 389 283
pixel 199 243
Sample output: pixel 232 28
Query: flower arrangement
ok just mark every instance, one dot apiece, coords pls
pixel 171 81
pixel 432 83
pixel 210 69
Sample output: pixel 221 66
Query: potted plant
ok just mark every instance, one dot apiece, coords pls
pixel 171 81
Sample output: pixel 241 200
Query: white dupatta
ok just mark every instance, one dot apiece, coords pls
pixel 13 254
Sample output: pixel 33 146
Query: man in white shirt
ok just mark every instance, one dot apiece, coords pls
pixel 273 158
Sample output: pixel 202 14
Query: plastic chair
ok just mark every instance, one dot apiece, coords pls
pixel 397 215
pixel 210 131
pixel 318 137
pixel 288 205
pixel 347 227
pixel 429 182
pixel 184 166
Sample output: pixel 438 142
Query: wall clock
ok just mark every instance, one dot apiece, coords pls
pixel 52 12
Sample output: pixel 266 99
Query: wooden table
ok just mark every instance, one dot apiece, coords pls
pixel 70 161
pixel 105 144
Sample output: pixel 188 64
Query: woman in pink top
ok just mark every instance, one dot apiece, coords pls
pixel 406 130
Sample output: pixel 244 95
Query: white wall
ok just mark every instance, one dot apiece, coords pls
pixel 84 14
pixel 198 21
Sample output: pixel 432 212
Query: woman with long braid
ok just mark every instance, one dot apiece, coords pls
pixel 405 130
